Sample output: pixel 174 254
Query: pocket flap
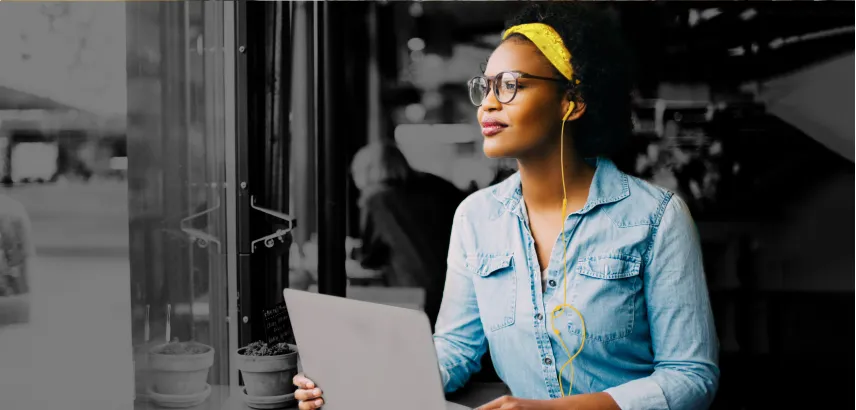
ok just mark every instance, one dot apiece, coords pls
pixel 609 266
pixel 485 265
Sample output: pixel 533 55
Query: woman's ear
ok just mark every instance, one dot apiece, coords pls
pixel 576 105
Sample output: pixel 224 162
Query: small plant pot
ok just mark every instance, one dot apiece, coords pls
pixel 268 375
pixel 180 368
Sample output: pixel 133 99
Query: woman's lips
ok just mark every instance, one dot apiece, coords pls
pixel 490 129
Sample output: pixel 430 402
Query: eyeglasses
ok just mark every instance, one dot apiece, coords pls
pixel 504 84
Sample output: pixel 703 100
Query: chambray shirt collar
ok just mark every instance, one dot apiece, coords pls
pixel 608 185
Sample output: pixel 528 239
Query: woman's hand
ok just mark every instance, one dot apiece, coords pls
pixel 513 403
pixel 307 394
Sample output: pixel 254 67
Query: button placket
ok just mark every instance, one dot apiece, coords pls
pixel 546 348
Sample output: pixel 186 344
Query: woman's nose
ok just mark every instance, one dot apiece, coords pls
pixel 489 102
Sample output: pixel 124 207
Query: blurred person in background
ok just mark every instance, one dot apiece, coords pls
pixel 405 221
pixel 16 254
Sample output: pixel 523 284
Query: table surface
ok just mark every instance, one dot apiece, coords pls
pixel 226 398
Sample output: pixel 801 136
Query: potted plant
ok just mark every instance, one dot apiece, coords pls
pixel 268 371
pixel 180 368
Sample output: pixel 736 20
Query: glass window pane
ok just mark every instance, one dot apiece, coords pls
pixel 177 175
pixel 64 307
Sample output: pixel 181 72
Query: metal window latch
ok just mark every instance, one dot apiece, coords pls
pixel 270 240
pixel 200 237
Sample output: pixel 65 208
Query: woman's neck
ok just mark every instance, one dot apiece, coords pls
pixel 541 180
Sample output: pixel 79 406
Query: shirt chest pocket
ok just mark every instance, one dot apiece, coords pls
pixel 495 284
pixel 606 291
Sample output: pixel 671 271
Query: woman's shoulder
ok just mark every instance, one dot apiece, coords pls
pixel 650 202
pixel 487 202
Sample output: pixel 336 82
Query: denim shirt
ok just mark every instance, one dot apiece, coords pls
pixel 634 272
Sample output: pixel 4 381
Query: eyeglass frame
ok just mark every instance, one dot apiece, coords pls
pixel 517 76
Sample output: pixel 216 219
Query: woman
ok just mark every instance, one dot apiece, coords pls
pixel 586 283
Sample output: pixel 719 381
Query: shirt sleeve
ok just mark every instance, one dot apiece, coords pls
pixel 459 337
pixel 684 340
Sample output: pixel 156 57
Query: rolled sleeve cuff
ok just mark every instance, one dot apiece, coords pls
pixel 642 394
pixel 444 376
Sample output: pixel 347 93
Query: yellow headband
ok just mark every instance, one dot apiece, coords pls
pixel 548 41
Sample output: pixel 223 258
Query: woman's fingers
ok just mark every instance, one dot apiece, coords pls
pixel 307 394
pixel 309 405
pixel 302 382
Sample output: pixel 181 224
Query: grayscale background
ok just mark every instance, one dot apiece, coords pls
pixel 153 156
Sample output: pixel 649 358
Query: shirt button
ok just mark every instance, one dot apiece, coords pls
pixel 552 282
pixel 539 316
pixel 548 361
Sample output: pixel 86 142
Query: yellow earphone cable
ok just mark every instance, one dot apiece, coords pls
pixel 558 309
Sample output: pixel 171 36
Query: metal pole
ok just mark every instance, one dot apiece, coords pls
pixel 331 222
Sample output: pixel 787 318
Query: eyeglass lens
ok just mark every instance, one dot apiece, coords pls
pixel 504 86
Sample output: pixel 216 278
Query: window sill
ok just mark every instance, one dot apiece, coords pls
pixel 226 398
pixel 221 398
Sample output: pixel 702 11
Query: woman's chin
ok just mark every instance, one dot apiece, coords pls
pixel 495 151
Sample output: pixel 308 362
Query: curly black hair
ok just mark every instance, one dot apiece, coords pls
pixel 601 64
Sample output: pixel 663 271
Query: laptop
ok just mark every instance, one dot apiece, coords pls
pixel 366 355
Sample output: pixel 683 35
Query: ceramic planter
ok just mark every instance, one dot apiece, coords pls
pixel 266 376
pixel 180 368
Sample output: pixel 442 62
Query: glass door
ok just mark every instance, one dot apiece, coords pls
pixel 181 135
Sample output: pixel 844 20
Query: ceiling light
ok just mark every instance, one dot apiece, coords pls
pixel 748 14
pixel 416 10
pixel 415 112
pixel 708 14
pixel 777 43
pixel 693 17
pixel 416 44
pixel 416 56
